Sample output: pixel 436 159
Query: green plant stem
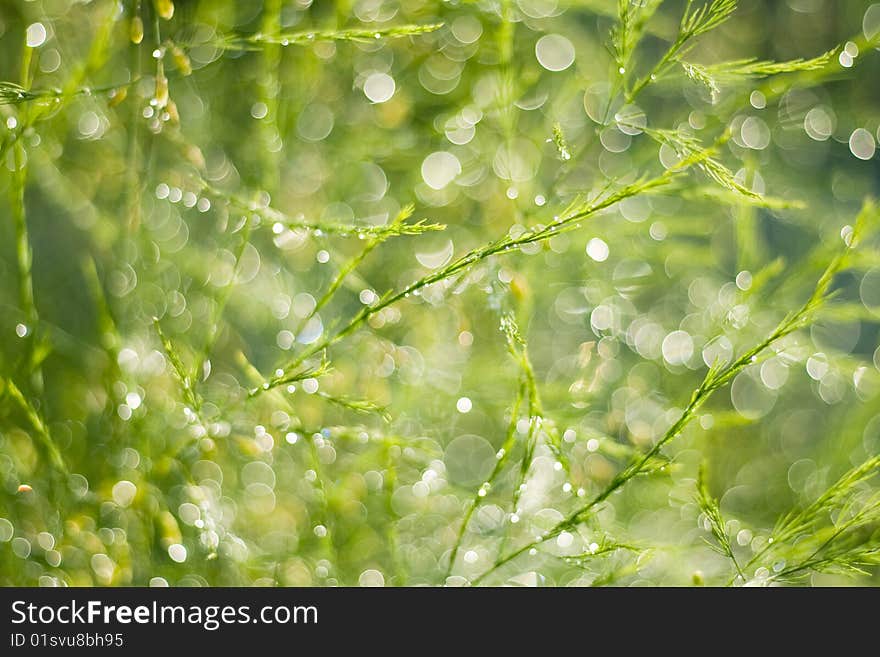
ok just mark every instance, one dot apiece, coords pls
pixel 133 173
pixel 219 306
pixel 23 249
pixel 267 93
pixel 506 448
pixel 52 451
pixel 391 534
pixel 716 378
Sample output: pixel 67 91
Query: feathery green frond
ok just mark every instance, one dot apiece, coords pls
pixel 714 520
pixel 356 35
pixel 706 17
pixel 713 76
pixel 688 147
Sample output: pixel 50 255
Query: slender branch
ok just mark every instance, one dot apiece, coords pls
pixel 506 244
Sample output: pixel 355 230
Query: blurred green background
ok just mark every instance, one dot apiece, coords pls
pixel 190 208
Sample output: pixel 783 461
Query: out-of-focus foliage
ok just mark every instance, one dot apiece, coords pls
pixel 469 292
